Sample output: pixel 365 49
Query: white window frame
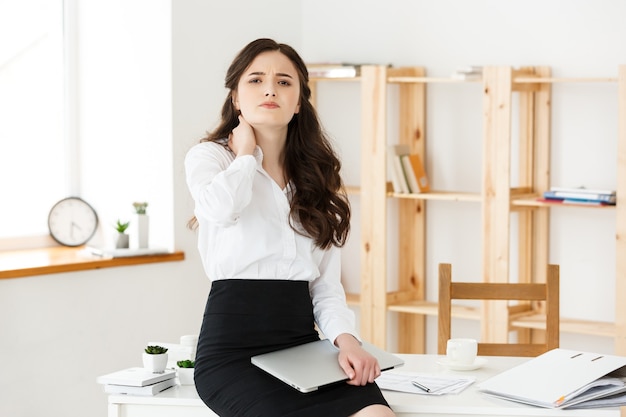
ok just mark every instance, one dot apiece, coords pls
pixel 70 111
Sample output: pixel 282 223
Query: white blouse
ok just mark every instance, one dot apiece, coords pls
pixel 244 232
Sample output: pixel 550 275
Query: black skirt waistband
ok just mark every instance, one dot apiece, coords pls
pixel 257 315
pixel 259 296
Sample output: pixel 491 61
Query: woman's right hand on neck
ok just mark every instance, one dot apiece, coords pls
pixel 242 140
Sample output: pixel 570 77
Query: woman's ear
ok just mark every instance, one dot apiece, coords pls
pixel 234 100
pixel 297 109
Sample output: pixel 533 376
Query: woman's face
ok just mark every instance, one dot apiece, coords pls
pixel 268 92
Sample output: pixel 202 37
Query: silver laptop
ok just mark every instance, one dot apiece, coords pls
pixel 312 365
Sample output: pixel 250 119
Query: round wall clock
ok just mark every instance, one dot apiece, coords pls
pixel 72 221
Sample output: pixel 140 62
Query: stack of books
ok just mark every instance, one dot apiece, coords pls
pixel 406 170
pixel 580 195
pixel 471 72
pixel 137 381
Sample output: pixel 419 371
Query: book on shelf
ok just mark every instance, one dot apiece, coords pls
pixel 146 390
pixel 415 173
pixel 582 195
pixel 136 377
pixel 583 190
pixel 406 170
pixel 396 171
pixel 338 70
pixel 334 70
pixel 471 72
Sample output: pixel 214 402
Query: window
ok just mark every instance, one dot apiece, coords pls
pixel 35 168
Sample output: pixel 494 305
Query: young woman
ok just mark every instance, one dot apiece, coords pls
pixel 271 214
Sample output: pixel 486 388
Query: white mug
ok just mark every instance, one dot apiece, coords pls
pixel 462 351
pixel 190 340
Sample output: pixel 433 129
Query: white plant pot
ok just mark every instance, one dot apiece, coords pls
pixel 121 241
pixel 185 376
pixel 155 363
pixel 143 230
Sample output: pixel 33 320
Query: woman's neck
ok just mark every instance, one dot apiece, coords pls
pixel 273 145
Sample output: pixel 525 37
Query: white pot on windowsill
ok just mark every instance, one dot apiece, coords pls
pixel 143 230
pixel 122 241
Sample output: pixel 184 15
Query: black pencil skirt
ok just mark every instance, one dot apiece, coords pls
pixel 244 318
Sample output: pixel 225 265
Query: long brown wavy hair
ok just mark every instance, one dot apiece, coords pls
pixel 319 204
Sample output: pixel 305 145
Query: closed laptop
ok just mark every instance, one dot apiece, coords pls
pixel 313 365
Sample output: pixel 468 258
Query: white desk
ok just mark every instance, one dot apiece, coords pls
pixel 183 401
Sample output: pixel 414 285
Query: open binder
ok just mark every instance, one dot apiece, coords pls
pixel 560 378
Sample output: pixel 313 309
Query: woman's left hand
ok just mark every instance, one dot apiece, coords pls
pixel 360 366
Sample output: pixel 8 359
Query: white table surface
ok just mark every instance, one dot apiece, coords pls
pixel 183 401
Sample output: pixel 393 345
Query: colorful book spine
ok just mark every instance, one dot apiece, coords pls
pixel 580 196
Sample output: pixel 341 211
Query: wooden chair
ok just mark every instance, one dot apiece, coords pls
pixel 548 292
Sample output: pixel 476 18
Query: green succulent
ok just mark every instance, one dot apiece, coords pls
pixel 155 350
pixel 186 364
pixel 121 227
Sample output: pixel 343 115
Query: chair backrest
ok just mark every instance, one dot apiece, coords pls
pixel 548 292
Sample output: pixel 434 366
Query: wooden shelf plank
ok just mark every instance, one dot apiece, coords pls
pixel 533 202
pixel 426 80
pixel 353 299
pixel 26 263
pixel 353 189
pixel 342 79
pixel 533 80
pixel 588 327
pixel 441 196
pixel 428 308
pixel 533 321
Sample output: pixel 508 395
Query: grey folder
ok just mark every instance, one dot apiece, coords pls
pixel 312 365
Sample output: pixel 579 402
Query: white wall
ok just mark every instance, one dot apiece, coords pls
pixel 151 84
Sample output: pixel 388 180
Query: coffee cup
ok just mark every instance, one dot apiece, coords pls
pixel 462 351
pixel 191 341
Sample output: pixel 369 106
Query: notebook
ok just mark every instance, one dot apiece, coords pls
pixel 313 365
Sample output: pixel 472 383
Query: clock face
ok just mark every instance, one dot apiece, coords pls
pixel 72 221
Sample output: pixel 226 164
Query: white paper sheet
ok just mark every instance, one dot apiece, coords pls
pixel 436 385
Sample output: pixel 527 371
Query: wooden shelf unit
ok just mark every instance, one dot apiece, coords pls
pixel 498 199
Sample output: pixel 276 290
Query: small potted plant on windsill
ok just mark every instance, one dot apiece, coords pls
pixel 122 239
pixel 185 372
pixel 143 224
pixel 155 358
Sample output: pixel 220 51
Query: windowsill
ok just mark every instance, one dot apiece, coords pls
pixel 26 263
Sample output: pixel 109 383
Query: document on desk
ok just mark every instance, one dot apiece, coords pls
pixel 424 384
pixel 559 378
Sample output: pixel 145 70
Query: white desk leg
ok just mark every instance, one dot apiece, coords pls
pixel 114 410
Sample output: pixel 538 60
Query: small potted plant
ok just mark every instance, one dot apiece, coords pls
pixel 140 207
pixel 185 371
pixel 155 358
pixel 122 240
pixel 143 223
